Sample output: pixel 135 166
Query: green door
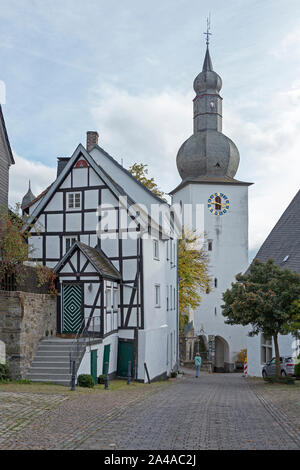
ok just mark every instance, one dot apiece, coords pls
pixel 106 357
pixel 94 365
pixel 125 354
pixel 72 308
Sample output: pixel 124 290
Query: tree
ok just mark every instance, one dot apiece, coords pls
pixel 14 251
pixel 192 262
pixel 267 298
pixel 192 273
pixel 140 172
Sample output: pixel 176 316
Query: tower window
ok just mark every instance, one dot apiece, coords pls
pixel 218 203
pixel 216 282
pixel 210 244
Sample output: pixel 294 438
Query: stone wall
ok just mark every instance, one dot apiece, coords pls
pixel 25 319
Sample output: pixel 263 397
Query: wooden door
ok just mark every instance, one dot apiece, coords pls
pixel 125 354
pixel 72 307
pixel 94 357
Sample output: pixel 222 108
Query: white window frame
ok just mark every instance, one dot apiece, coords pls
pixel 156 249
pixel 157 296
pixel 115 299
pixel 69 239
pixel 73 206
pixel 266 349
pixel 108 300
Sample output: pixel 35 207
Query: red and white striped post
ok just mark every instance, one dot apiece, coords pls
pixel 245 368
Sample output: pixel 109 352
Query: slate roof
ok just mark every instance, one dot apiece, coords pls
pixel 284 239
pixel 10 154
pixel 209 179
pixel 96 257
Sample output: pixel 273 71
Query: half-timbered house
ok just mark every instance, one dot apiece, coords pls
pixel 117 277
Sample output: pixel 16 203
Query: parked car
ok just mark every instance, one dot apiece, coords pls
pixel 287 364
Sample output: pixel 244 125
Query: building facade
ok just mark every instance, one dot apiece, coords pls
pixel 117 282
pixel 207 163
pixel 6 160
pixel 283 246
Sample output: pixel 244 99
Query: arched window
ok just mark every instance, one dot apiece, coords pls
pixel 218 202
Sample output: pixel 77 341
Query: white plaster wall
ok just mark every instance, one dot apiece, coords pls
pixel 288 346
pixel 56 202
pixel 52 247
pixel 35 246
pixel 228 257
pixel 85 365
pixel 73 222
pixel 54 222
pixel 80 177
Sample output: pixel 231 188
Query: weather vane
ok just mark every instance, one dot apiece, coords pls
pixel 207 33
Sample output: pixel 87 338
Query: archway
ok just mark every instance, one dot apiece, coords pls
pixel 221 355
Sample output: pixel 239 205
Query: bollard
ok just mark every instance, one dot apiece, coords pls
pixel 73 377
pixel 106 376
pixel 129 373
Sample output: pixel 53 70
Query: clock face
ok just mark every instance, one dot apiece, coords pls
pixel 218 204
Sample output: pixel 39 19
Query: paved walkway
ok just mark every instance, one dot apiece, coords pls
pixel 217 411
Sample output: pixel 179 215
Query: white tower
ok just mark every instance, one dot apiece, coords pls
pixel 207 163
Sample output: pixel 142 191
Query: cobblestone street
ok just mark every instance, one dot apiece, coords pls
pixel 217 411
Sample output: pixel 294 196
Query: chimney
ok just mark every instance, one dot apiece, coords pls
pixel 61 163
pixel 91 139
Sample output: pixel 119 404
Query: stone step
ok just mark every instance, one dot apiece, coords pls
pixel 66 383
pixel 50 377
pixel 52 352
pixel 48 363
pixel 54 347
pixel 53 358
pixel 50 370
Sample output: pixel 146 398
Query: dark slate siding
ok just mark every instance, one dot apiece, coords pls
pixel 4 168
pixel 284 239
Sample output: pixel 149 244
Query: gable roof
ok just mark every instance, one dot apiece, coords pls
pixel 117 164
pixel 6 139
pixel 116 189
pixel 283 242
pixel 96 257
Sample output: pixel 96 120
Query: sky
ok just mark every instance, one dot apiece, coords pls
pixel 126 69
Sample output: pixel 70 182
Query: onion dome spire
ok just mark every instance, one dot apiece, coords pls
pixel 208 152
pixel 28 198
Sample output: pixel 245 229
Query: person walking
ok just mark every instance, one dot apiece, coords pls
pixel 198 361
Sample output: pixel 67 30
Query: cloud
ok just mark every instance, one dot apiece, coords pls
pixel 24 170
pixel 150 128
pixel 147 128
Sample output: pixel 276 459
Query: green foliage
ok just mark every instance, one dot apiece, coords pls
pixel 264 298
pixel 140 172
pixel 101 379
pixel 281 380
pixel 13 246
pixel 86 380
pixel 192 273
pixel 297 369
pixel 4 372
pixel 267 298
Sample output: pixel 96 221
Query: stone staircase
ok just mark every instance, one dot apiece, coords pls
pixel 52 361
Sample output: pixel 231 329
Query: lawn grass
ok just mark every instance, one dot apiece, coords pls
pixel 50 388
